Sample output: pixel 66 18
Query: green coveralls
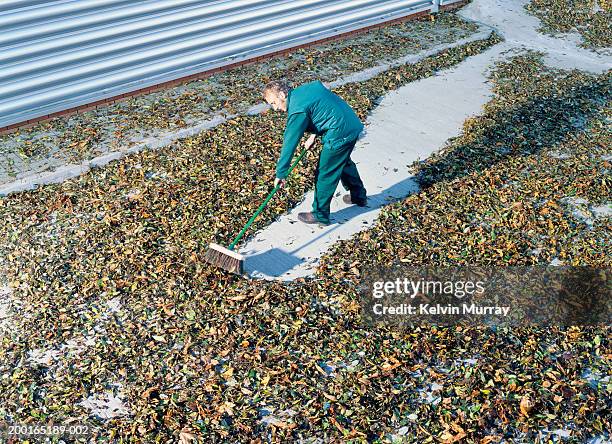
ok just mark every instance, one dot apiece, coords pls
pixel 313 108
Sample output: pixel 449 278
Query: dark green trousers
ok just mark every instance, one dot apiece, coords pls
pixel 335 165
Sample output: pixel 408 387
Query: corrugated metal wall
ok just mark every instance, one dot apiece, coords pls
pixel 60 54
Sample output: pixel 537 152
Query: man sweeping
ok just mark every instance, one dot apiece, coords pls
pixel 315 109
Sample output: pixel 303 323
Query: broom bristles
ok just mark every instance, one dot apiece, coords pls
pixel 225 258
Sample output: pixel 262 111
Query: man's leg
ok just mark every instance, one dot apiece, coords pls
pixel 352 182
pixel 330 169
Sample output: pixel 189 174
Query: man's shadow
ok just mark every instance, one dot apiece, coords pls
pixel 276 261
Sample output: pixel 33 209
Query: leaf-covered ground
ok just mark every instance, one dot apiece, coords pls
pixel 590 18
pixel 118 126
pixel 115 300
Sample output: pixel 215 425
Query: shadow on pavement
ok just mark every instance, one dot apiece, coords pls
pixel 276 262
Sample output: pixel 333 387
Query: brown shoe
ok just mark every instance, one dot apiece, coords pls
pixel 348 200
pixel 309 218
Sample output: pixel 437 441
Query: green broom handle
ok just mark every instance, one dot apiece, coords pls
pixel 263 205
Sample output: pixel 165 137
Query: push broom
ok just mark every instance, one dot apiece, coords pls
pixel 227 258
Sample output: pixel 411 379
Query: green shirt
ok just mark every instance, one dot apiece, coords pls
pixel 312 107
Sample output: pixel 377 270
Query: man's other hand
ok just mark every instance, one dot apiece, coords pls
pixel 279 182
pixel 310 141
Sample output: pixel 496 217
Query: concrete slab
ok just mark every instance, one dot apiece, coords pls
pixel 410 124
pixel 519 28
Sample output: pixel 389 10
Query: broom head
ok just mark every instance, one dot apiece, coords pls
pixel 225 258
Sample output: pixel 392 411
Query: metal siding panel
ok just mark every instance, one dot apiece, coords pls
pixel 67 53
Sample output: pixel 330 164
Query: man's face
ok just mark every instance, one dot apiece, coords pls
pixel 278 101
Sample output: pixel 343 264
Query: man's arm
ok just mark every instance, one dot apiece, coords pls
pixel 296 125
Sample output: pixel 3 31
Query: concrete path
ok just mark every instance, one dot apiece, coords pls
pixel 409 124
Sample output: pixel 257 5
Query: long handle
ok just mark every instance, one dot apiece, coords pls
pixel 263 205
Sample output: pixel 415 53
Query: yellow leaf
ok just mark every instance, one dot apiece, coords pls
pixel 241 297
pixel 526 405
pixel 330 397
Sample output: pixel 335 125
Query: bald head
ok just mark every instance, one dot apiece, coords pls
pixel 275 94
